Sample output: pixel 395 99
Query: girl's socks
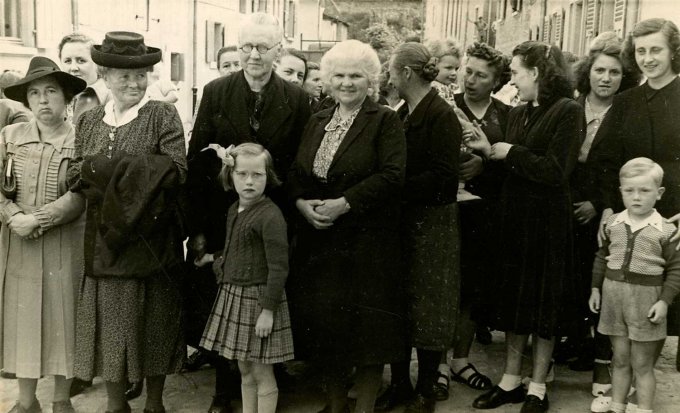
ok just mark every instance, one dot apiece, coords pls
pixel 249 397
pixel 459 364
pixel 617 407
pixel 510 382
pixel 537 389
pixel 266 403
pixel 639 410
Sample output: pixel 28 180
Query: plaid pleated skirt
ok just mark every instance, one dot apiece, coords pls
pixel 231 327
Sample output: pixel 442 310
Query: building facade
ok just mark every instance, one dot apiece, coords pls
pixel 189 32
pixel 569 24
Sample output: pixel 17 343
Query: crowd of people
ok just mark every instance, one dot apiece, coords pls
pixel 342 213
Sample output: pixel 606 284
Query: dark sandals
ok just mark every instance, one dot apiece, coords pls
pixel 476 381
pixel 440 389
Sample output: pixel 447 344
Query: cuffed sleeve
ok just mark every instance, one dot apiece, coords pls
pixel 65 209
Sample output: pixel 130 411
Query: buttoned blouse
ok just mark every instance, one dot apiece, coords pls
pixel 39 161
pixel 335 132
pixel 593 121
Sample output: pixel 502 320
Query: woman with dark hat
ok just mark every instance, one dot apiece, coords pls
pixel 130 162
pixel 39 268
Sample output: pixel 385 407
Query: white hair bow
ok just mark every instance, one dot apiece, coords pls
pixel 223 153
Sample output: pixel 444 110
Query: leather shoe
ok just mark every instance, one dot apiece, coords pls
pixel 78 386
pixel 497 397
pixel 394 396
pixel 134 390
pixel 195 361
pixel 219 405
pixel 533 404
pixel 7 375
pixel 420 404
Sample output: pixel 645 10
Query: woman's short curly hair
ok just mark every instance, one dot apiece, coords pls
pixel 495 59
pixel 443 47
pixel 607 44
pixel 651 26
pixel 359 54
pixel 553 72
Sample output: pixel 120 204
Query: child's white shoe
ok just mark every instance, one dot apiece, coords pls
pixel 602 402
pixel 599 389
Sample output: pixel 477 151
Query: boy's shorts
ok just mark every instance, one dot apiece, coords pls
pixel 624 308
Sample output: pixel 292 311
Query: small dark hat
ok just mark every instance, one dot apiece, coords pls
pixel 125 50
pixel 40 67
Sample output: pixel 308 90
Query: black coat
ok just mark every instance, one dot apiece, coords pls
pixel 644 122
pixel 536 280
pixel 344 288
pixel 223 118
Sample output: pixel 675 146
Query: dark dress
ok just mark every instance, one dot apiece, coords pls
pixel 429 233
pixel 478 217
pixel 345 286
pixel 587 184
pixel 130 328
pixel 535 282
pixel 645 122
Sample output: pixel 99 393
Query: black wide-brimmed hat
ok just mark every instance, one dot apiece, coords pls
pixel 125 50
pixel 39 67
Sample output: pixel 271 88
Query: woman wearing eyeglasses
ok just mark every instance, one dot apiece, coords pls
pixel 251 105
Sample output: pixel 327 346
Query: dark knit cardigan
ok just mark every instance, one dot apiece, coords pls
pixel 255 250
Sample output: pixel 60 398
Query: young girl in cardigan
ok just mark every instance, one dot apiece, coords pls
pixel 249 320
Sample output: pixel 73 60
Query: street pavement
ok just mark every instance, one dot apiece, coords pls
pixel 192 392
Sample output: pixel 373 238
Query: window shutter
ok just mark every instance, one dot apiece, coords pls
pixel 546 30
pixel 591 18
pixel 620 17
pixel 209 41
pixel 558 28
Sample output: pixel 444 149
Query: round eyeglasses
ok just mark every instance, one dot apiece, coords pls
pixel 261 48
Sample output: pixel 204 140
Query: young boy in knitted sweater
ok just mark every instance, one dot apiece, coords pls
pixel 637 271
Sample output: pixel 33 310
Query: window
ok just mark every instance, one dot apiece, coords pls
pixel 516 5
pixel 262 6
pixel 289 20
pixel 558 28
pixel 214 39
pixel 9 18
pixel 176 67
pixel 242 6
pixel 502 8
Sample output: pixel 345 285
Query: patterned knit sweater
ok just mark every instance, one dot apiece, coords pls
pixel 256 250
pixel 644 257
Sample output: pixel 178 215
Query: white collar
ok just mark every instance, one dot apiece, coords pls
pixel 655 220
pixel 130 115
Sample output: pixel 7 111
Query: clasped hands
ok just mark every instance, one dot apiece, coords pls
pixel 475 138
pixel 25 226
pixel 322 213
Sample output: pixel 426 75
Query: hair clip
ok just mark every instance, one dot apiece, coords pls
pixel 547 51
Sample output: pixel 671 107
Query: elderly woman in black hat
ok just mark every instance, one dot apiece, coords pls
pixel 39 268
pixel 130 162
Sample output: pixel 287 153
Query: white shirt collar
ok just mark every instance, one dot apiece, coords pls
pixel 130 115
pixel 655 220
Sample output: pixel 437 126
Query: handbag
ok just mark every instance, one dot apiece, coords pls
pixel 8 184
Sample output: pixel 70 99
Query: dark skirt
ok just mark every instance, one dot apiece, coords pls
pixel 431 246
pixel 345 295
pixel 478 220
pixel 129 329
pixel 535 282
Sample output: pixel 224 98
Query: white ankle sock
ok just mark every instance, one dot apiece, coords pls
pixel 617 407
pixel 537 389
pixel 510 382
pixel 458 364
